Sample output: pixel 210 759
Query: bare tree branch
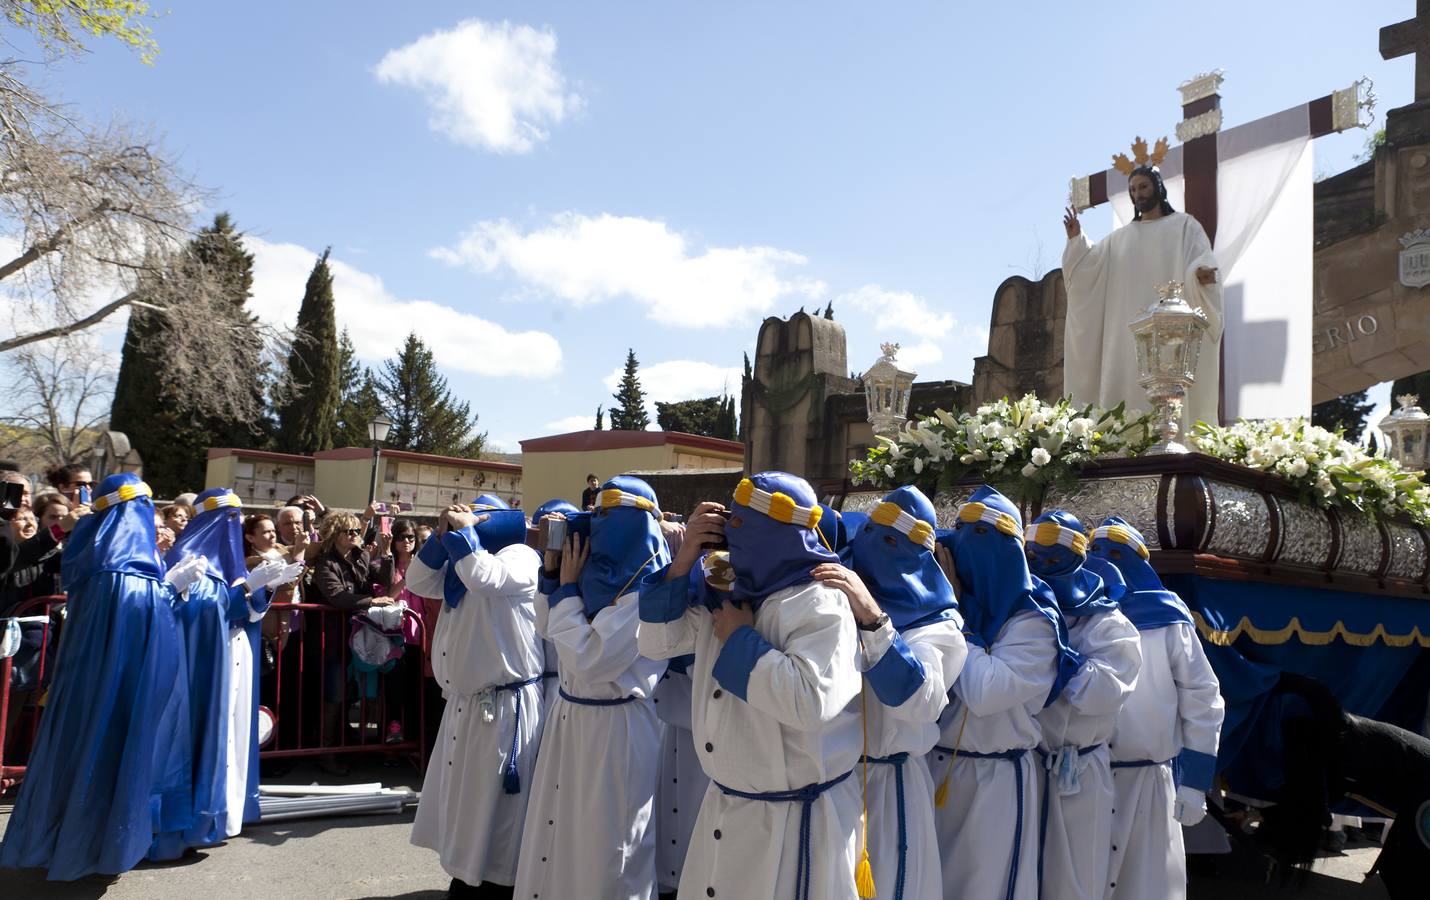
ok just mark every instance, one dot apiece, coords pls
pixel 64 330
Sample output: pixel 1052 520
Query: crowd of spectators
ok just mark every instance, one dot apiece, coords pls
pixel 355 562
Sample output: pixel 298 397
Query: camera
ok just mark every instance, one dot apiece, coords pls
pixel 723 543
pixel 553 532
pixel 11 498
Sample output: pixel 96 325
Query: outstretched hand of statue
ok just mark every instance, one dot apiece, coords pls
pixel 1070 223
pixel 1206 275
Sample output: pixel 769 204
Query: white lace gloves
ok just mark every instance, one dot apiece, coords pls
pixel 186 573
pixel 1190 806
pixel 272 573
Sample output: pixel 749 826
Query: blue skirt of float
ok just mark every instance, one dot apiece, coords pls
pixel 111 765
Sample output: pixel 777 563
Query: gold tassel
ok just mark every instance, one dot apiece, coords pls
pixel 864 877
pixel 940 796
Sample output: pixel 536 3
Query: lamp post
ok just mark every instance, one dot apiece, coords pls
pixel 1168 335
pixel 1407 434
pixel 886 393
pixel 377 429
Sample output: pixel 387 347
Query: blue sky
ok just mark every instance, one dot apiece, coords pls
pixel 535 187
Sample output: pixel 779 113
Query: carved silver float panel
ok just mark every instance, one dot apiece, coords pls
pixel 862 501
pixel 1243 521
pixel 946 504
pixel 1093 500
pixel 1360 544
pixel 1407 552
pixel 1305 534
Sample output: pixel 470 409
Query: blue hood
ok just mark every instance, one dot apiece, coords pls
pixel 119 537
pixel 1147 602
pixel 902 574
pixel 769 554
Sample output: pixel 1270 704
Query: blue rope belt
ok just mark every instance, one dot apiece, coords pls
pixel 511 777
pixel 546 675
pixel 594 701
pixel 1013 756
pixel 805 797
pixel 896 760
pixel 1139 763
pixel 1043 813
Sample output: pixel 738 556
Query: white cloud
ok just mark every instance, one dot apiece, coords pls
pixel 921 354
pixel 900 310
pixel 585 260
pixel 489 86
pixel 377 321
pixel 681 379
pixel 571 423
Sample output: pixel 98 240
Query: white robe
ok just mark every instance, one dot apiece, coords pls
pixel 240 719
pixel 1176 705
pixel 1078 833
pixel 588 831
pixel 682 781
pixel 796 727
pixel 912 728
pixel 1001 689
pixel 489 639
pixel 1110 284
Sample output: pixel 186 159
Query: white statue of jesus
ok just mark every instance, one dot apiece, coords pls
pixel 1112 282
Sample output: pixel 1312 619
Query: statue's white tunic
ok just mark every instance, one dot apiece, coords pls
pixel 488 639
pixel 1002 689
pixel 1111 283
pixel 912 728
pixel 1176 705
pixel 1079 825
pixel 798 726
pixel 588 830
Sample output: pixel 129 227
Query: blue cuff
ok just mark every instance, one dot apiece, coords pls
pixel 546 585
pixel 663 601
pixel 743 648
pixel 562 592
pixel 1196 769
pixel 897 675
pixel 433 555
pixel 461 544
pixel 238 605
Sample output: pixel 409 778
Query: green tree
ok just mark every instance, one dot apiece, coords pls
pixel 308 415
pixel 600 418
pixel 425 416
pixel 725 426
pixel 690 416
pixel 1346 412
pixel 161 402
pixel 358 402
pixel 1419 385
pixel 61 25
pixel 629 412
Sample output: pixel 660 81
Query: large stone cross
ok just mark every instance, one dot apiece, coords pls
pixel 1411 36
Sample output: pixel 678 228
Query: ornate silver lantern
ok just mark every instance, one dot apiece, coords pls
pixel 886 391
pixel 1169 343
pixel 1407 434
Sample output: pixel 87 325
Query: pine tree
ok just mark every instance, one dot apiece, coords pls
pixel 1346 412
pixel 600 418
pixel 629 414
pixel 725 423
pixel 307 419
pixel 358 402
pixel 690 416
pixel 152 404
pixel 425 416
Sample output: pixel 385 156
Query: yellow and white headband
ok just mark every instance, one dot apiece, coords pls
pixel 778 506
pixel 1051 534
pixel 126 492
pixel 1122 535
pixel 904 522
pixel 979 512
pixel 219 501
pixel 612 498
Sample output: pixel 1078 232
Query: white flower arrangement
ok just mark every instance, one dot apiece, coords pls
pixel 1327 469
pixel 1024 445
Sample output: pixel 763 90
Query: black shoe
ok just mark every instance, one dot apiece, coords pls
pixel 460 890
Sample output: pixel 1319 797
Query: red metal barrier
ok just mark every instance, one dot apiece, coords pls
pixel 311 721
pixel 15 748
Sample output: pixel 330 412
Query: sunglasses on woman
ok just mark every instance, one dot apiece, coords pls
pixel 353 532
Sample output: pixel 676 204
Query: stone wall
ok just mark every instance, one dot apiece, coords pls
pixel 1025 340
pixel 680 490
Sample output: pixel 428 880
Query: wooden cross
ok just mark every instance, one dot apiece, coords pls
pixel 1411 37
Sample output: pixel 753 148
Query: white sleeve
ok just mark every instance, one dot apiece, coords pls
pixel 423 580
pixel 809 681
pixel 1199 704
pixel 511 570
pixel 601 649
pixel 1084 279
pixel 1113 652
pixel 1208 297
pixel 1019 668
pixel 664 640
pixel 939 650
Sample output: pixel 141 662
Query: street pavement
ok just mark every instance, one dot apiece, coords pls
pixel 360 857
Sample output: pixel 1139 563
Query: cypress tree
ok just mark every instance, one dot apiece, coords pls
pixel 426 418
pixel 308 418
pixel 629 412
pixel 358 402
pixel 1346 412
pixel 600 418
pixel 725 423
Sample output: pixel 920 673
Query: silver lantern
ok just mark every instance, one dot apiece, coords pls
pixel 1169 343
pixel 1407 434
pixel 886 392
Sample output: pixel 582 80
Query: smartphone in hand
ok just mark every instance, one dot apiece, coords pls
pixel 84 495
pixel 384 525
